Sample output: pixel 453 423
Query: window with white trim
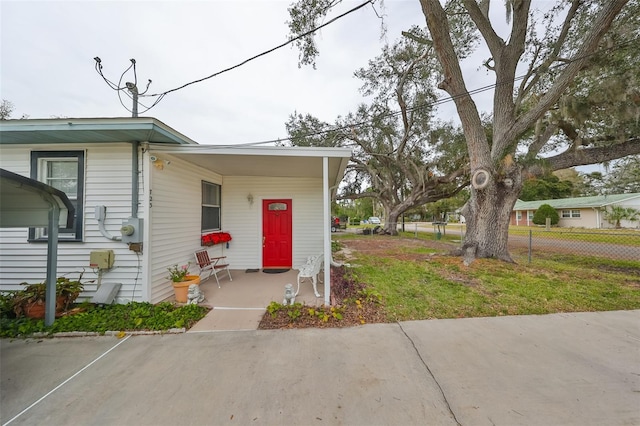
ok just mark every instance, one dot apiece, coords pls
pixel 210 207
pixel 518 215
pixel 570 213
pixel 63 170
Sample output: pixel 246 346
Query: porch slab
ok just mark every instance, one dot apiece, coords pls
pixel 240 304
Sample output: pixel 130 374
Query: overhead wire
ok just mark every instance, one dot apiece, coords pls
pixel 161 95
pixel 332 20
pixel 440 101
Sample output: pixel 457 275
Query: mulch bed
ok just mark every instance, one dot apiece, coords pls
pixel 351 316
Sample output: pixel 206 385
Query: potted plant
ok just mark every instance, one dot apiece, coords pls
pixel 30 301
pixel 181 280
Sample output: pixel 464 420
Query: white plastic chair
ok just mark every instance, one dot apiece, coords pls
pixel 311 269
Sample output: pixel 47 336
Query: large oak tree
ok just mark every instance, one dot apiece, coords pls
pixel 544 63
pixel 401 157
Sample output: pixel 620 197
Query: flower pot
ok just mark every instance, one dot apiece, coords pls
pixel 181 288
pixel 36 309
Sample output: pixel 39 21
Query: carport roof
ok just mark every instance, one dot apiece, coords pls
pixel 26 202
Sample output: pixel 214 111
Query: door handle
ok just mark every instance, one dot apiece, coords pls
pixel 263 240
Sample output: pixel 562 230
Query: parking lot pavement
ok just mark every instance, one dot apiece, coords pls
pixel 566 369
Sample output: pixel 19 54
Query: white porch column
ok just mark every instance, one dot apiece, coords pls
pixel 326 207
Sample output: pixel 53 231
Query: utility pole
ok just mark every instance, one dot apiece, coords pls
pixel 133 89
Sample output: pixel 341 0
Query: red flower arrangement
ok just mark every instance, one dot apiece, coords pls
pixel 214 238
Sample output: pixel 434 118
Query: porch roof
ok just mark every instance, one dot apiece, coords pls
pixel 262 161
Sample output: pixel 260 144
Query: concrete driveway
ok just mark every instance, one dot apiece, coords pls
pixel 563 369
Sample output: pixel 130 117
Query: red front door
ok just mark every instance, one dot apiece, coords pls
pixel 276 234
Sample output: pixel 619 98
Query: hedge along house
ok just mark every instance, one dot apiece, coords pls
pixel 145 194
pixel 581 212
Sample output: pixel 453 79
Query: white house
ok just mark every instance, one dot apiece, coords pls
pixel 581 212
pixel 148 193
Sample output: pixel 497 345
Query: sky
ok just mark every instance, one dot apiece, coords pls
pixel 47 65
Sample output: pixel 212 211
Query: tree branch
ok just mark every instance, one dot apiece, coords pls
pixel 586 156
pixel 494 42
pixel 599 28
pixel 454 82
pixel 525 88
pixel 541 140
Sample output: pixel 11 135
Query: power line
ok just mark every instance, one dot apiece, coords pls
pixel 161 95
pixel 443 100
pixel 440 101
pixel 266 51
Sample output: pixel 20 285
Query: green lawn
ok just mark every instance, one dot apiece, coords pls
pixel 441 286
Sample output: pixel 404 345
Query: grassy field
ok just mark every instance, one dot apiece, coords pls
pixel 418 281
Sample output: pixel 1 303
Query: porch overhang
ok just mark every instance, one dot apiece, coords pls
pixel 263 161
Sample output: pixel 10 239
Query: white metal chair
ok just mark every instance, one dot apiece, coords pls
pixel 311 269
pixel 211 265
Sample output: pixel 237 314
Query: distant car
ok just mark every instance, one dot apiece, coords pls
pixel 374 220
pixel 338 223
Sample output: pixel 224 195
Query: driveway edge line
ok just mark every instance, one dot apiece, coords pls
pixel 66 381
pixel 446 401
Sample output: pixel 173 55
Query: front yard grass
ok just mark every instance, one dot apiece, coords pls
pixel 415 285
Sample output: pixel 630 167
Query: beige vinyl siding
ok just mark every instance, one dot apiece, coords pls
pixel 588 219
pixel 107 182
pixel 175 220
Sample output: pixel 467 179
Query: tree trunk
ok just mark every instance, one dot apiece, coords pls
pixel 487 215
pixel 391 222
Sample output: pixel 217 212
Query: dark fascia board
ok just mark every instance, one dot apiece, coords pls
pixel 37 187
pixel 87 130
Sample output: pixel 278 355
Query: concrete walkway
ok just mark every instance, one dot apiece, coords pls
pixel 564 369
pixel 241 303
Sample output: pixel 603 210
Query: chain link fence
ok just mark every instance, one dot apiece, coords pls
pixel 605 244
pixel 610 244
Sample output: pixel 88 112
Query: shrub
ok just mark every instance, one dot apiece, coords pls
pixel 546 211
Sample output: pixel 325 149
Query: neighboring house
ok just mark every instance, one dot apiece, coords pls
pixel 170 191
pixel 581 212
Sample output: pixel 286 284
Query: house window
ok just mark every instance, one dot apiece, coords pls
pixel 518 215
pixel 210 207
pixel 530 216
pixel 570 213
pixel 63 170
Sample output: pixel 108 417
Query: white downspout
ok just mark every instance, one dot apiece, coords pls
pixel 326 206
